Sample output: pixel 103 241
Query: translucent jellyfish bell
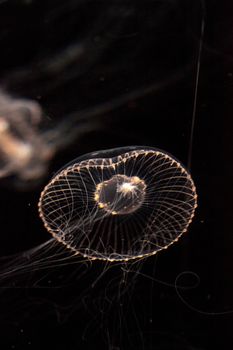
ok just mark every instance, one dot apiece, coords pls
pixel 119 204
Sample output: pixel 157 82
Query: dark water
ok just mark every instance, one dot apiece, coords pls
pixel 127 70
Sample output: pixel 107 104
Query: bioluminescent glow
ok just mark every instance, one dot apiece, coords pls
pixel 119 204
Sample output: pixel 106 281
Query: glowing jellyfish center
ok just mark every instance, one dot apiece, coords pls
pixel 120 194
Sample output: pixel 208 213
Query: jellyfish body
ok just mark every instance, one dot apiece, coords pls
pixel 26 148
pixel 24 153
pixel 119 204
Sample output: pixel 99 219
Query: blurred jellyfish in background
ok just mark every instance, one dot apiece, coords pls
pixel 24 152
pixel 25 147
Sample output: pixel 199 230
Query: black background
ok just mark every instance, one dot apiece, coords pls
pixel 149 50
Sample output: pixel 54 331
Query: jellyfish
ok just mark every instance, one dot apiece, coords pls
pixel 26 149
pixel 119 204
pixel 23 152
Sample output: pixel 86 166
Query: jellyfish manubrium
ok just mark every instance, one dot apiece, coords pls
pixel 119 204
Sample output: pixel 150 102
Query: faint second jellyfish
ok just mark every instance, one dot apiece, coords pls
pixel 27 147
pixel 119 204
pixel 24 154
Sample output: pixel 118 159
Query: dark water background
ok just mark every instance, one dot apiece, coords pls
pixel 150 47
